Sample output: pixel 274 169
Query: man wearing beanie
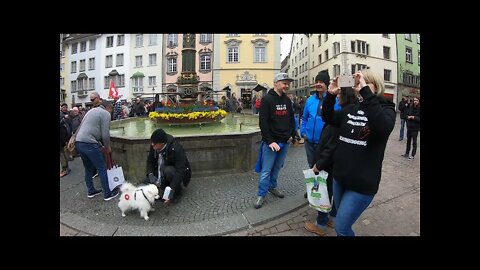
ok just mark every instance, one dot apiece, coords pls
pixel 167 164
pixel 312 123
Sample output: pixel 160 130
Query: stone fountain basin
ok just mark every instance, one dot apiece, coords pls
pixel 212 149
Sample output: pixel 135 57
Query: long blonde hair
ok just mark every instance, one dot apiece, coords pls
pixel 375 79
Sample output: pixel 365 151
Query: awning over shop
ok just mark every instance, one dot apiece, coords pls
pixel 82 76
pixel 137 74
pixel 258 87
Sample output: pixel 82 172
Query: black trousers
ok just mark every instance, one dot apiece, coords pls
pixel 411 135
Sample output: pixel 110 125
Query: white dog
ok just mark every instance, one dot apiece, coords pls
pixel 141 198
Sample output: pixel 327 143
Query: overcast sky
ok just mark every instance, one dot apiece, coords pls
pixel 285 45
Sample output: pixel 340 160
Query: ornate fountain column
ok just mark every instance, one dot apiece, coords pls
pixel 188 80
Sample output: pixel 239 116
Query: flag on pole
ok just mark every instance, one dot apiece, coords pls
pixel 113 91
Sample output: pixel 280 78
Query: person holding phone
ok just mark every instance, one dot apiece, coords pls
pixel 363 136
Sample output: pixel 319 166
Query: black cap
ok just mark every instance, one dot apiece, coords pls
pixel 323 77
pixel 159 136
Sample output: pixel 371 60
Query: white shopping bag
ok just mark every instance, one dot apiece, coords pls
pixel 115 177
pixel 317 190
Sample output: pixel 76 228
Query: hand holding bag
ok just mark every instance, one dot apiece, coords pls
pixel 114 173
pixel 317 192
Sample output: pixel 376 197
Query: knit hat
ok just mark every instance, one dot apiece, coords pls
pixel 323 77
pixel 159 136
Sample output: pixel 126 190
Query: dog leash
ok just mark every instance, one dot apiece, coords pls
pixel 145 196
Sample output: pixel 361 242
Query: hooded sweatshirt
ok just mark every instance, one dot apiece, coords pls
pixel 276 118
pixel 363 135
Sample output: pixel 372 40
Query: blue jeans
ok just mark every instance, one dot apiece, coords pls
pixel 350 205
pixel 272 162
pixel 402 128
pixel 310 149
pixel 92 157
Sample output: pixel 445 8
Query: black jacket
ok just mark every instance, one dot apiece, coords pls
pixel 174 155
pixel 402 106
pixel 277 123
pixel 413 124
pixel 363 135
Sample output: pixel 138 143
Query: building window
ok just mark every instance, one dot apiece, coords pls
pixel 109 41
pixel 326 37
pixel 387 75
pixel 361 47
pixel 418 38
pixel 172 40
pixel 137 82
pixel 119 59
pixel 92 45
pixel 120 40
pixel 152 59
pixel 408 55
pixel 83 46
pixel 82 65
pixel 74 48
pixel 91 83
pixel 138 61
pixel 232 55
pixel 319 58
pixel 260 55
pixel 326 55
pixel 152 40
pixel 152 81
pixel 62 81
pixel 319 40
pixel 336 48
pixel 138 40
pixel 386 52
pixel 408 37
pixel 313 48
pixel 336 70
pixel 91 63
pixel 385 35
pixel 74 85
pixel 233 35
pixel 419 57
pixel 108 61
pixel 172 65
pixel 205 62
pixel 73 67
pixel 205 38
pixel 358 67
pixel 62 67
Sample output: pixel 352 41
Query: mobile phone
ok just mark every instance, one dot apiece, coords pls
pixel 346 81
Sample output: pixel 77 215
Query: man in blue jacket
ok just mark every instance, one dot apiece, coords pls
pixel 312 123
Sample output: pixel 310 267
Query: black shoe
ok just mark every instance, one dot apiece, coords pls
pixel 94 193
pixel 305 195
pixel 405 155
pixel 113 194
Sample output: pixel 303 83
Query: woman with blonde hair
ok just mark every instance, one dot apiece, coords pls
pixel 363 135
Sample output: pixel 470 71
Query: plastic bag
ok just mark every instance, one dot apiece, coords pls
pixel 317 192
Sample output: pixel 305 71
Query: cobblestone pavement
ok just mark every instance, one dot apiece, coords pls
pixel 395 209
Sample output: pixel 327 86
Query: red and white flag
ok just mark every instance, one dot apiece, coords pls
pixel 113 91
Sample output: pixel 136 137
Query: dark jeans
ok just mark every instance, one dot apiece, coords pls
pixel 93 159
pixel 411 135
pixel 170 181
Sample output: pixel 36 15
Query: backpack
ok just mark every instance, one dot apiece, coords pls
pixel 257 103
